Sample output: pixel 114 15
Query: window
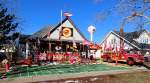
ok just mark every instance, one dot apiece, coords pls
pixel 145 40
pixel 113 41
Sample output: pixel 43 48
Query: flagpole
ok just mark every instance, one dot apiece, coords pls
pixel 61 18
pixel 61 28
pixel 60 25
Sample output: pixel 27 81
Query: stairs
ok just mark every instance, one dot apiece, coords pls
pixel 147 65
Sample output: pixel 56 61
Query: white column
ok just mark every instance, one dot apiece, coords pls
pixel 27 50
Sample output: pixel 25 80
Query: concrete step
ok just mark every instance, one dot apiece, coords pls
pixel 146 65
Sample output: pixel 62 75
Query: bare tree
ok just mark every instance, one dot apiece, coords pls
pixel 100 16
pixel 125 8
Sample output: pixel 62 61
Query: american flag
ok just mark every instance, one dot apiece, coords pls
pixel 38 41
pixel 86 42
pixel 48 34
pixel 116 49
pixel 67 14
pixel 105 45
pixel 17 42
pixel 110 47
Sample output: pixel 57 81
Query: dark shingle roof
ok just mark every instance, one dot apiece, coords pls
pixel 41 33
pixel 130 36
pixel 134 35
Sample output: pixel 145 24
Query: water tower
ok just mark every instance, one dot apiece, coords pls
pixel 91 30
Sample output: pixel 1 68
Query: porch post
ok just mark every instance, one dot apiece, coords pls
pixel 27 49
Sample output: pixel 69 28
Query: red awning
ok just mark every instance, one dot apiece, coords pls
pixel 95 46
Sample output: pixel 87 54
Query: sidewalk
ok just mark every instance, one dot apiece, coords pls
pixel 66 76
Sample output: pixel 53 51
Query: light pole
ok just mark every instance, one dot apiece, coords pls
pixel 91 30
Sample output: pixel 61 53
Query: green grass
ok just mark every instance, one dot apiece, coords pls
pixel 59 69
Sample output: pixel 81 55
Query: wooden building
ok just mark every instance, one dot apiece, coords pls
pixel 62 38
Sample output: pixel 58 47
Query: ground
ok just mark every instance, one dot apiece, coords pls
pixel 79 73
pixel 130 77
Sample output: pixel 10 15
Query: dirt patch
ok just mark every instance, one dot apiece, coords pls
pixel 133 77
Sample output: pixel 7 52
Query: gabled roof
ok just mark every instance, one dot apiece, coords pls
pixel 44 31
pixel 41 33
pixel 131 35
pixel 129 38
pixel 118 35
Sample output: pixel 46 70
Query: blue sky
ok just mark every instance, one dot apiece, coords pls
pixel 35 14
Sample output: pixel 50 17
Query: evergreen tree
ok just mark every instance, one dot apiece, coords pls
pixel 7 24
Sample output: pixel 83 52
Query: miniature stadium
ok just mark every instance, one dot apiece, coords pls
pixel 58 69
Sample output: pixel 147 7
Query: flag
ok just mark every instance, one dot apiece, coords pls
pixel 49 46
pixel 105 45
pixel 48 34
pixel 67 14
pixel 74 44
pixel 85 42
pixel 38 41
pixel 110 47
pixel 116 49
pixel 17 42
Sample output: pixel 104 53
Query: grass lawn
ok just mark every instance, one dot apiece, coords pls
pixel 59 69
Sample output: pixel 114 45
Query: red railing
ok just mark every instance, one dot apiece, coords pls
pixel 60 57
